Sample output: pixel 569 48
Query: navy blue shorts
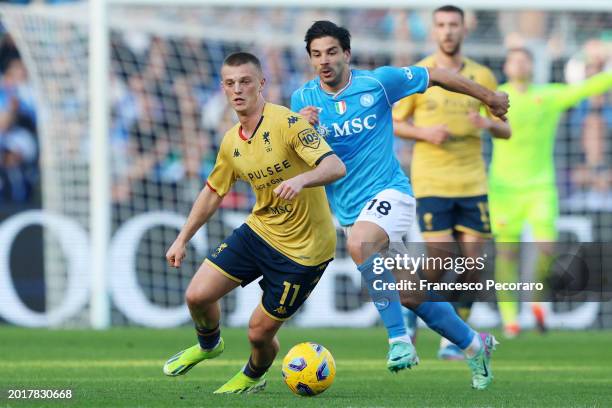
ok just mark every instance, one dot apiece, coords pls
pixel 244 256
pixel 444 215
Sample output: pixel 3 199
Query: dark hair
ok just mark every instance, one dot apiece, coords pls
pixel 523 50
pixel 324 28
pixel 450 9
pixel 240 58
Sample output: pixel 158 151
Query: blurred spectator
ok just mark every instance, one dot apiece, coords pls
pixel 592 120
pixel 18 144
pixel 196 152
pixel 531 29
pixel 406 25
pixel 8 49
pixel 15 85
pixel 18 155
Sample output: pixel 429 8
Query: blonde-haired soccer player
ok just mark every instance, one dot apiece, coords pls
pixel 289 237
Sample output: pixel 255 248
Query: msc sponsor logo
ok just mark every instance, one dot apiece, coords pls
pixel 281 209
pixel 354 126
pixel 309 138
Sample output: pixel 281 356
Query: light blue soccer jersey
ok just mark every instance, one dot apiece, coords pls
pixel 357 123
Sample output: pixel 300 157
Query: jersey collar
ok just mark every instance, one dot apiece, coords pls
pixel 344 88
pixel 243 136
pixel 461 68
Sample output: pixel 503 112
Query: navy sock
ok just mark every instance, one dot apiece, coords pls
pixel 442 318
pixel 208 338
pixel 250 370
pixel 387 302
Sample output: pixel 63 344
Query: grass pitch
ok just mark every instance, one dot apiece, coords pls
pixel 123 368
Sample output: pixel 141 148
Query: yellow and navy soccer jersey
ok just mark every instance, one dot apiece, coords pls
pixel 283 146
pixel 456 167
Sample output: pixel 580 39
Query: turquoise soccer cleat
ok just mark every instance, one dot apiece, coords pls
pixel 401 355
pixel 480 364
pixel 185 360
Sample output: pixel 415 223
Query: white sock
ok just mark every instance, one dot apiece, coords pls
pixel 405 339
pixel 474 347
pixel 444 342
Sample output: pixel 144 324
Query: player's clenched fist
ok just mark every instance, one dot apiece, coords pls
pixel 499 104
pixel 436 134
pixel 289 189
pixel 176 254
pixel 311 114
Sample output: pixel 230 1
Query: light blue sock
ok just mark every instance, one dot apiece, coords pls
pixel 442 318
pixel 387 302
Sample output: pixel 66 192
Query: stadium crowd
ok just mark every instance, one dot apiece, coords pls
pixel 169 113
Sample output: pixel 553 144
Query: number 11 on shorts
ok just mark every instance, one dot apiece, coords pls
pixel 288 286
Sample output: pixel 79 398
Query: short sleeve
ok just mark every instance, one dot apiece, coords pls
pixel 222 176
pixel 399 83
pixel 297 103
pixel 307 142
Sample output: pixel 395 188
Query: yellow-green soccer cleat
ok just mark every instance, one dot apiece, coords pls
pixel 184 361
pixel 480 364
pixel 242 384
pixel 401 355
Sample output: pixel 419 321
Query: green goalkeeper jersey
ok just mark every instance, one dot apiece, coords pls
pixel 526 160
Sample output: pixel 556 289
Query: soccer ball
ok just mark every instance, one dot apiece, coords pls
pixel 308 369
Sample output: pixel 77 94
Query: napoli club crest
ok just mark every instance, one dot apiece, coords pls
pixel 366 100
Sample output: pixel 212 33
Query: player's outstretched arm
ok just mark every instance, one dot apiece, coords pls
pixel 569 95
pixel 203 208
pixel 496 101
pixel 330 169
